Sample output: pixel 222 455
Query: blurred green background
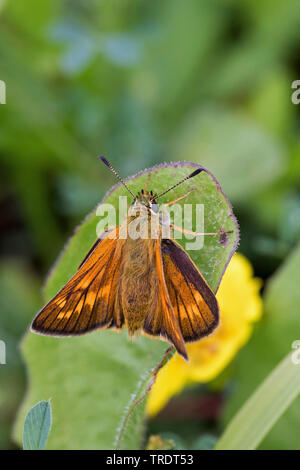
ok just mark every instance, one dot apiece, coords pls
pixel 141 83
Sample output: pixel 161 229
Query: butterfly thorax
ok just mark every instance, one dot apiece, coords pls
pixel 143 216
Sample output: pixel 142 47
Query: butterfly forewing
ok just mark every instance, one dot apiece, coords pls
pixel 88 300
pixel 161 319
pixel 193 301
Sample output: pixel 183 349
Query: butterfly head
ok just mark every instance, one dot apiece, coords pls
pixel 146 200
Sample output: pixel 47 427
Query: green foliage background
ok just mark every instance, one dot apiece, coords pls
pixel 142 83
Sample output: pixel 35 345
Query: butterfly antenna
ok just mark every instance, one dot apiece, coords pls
pixel 106 162
pixel 196 172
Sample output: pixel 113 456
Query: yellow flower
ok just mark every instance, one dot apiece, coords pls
pixel 240 306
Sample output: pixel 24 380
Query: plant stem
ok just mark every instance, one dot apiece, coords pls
pixel 151 377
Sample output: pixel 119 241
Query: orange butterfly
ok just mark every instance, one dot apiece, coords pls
pixel 148 284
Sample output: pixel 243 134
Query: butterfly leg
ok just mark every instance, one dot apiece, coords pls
pixel 222 233
pixel 164 216
pixel 178 199
pixel 190 232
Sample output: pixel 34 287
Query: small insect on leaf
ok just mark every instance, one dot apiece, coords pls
pixel 37 426
pixel 143 281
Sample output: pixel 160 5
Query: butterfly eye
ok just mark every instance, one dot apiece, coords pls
pixel 154 207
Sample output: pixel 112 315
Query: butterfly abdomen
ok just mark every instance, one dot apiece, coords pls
pixel 137 277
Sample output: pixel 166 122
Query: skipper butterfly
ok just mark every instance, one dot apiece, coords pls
pixel 147 285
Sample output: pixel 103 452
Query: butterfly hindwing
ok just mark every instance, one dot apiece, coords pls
pixel 193 301
pixel 88 300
